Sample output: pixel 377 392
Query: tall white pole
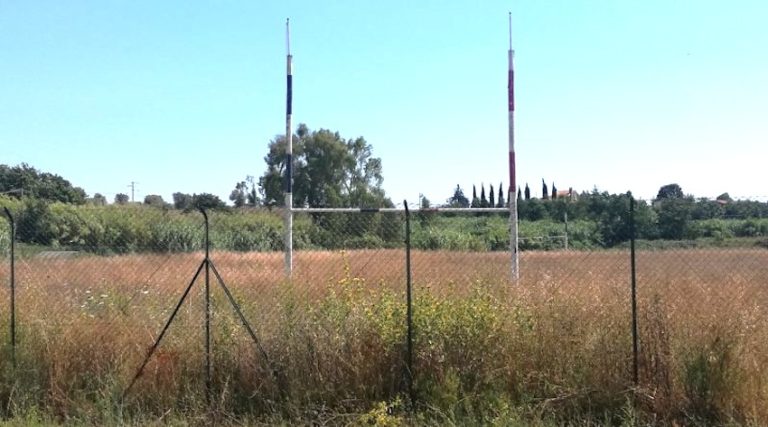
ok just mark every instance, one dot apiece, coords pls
pixel 513 233
pixel 288 179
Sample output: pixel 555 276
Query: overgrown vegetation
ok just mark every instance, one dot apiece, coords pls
pixel 555 350
pixel 333 171
pixel 143 228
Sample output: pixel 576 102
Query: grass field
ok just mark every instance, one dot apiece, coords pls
pixel 555 347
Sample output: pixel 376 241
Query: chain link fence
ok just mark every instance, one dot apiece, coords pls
pixel 702 321
pixel 141 299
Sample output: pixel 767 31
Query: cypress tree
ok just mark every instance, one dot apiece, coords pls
pixel 544 190
pixel 483 200
pixel 500 202
pixel 554 191
pixel 527 192
pixel 458 199
pixel 491 198
pixel 475 201
pixel 519 195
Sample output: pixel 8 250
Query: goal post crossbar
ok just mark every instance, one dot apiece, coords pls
pixel 375 210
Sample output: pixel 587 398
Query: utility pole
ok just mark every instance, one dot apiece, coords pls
pixel 133 190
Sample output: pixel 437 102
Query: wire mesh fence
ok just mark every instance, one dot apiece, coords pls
pixel 702 323
pixel 94 298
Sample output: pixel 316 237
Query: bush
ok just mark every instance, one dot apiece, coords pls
pixel 34 223
pixel 434 238
pixel 750 227
pixel 707 377
pixel 715 228
pixel 5 238
pixel 135 228
pixel 176 236
pixel 367 241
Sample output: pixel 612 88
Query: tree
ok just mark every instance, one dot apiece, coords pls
pixel 252 198
pixel 425 203
pixel 725 197
pixel 364 176
pixel 239 195
pixel 491 198
pixel 182 201
pixel 458 200
pixel 532 210
pixel 613 221
pixel 500 201
pixel 746 209
pixel 475 200
pixel 554 191
pixel 155 200
pixel 207 201
pixel 425 216
pixel 483 200
pixel 519 195
pixel 98 200
pixel 708 209
pixel 674 216
pixel 121 199
pixel 28 181
pixel 35 223
pixel 670 191
pixel 328 171
pixel 544 190
pixel 527 192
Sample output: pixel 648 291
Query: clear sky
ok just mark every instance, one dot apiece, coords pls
pixel 185 96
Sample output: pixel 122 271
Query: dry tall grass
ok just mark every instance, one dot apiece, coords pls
pixel 557 344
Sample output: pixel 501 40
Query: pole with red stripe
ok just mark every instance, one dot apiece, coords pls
pixel 513 232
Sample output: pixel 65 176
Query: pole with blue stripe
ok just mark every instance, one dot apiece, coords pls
pixel 288 178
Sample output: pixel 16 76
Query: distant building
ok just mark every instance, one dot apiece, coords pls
pixel 567 194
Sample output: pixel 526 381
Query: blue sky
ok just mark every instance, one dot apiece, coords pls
pixel 185 96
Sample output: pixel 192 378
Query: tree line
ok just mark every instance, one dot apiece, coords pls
pixel 497 199
pixel 332 171
pixel 24 180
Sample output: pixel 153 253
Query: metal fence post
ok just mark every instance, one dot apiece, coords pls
pixel 12 223
pixel 409 303
pixel 633 232
pixel 208 386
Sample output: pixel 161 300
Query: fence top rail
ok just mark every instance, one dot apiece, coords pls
pixel 374 210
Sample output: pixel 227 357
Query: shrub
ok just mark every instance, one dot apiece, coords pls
pixel 5 238
pixel 718 229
